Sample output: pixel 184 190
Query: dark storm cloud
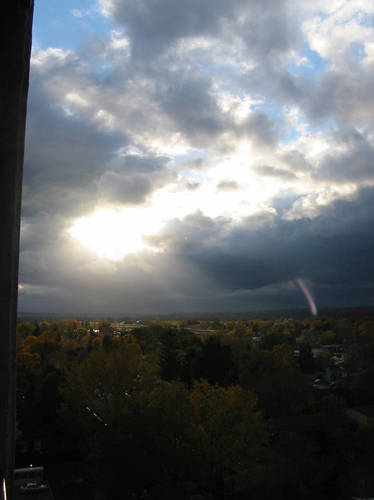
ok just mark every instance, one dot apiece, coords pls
pixel 119 187
pixel 134 178
pixel 334 248
pixel 208 263
pixel 65 156
pixel 335 96
pixel 344 95
pixel 188 100
pixel 155 26
pixel 270 78
pixel 71 160
pixel 144 283
pixel 354 160
pixel 260 128
pixel 189 234
pixel 189 103
pixel 258 32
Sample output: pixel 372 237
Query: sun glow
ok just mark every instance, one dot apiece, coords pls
pixel 112 234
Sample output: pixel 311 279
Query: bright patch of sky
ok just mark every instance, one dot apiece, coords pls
pixel 66 24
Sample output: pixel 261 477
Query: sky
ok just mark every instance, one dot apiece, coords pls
pixel 189 156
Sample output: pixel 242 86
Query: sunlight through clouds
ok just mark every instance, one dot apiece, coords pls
pixel 113 234
pixel 230 144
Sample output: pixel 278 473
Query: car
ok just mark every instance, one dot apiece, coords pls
pixel 33 488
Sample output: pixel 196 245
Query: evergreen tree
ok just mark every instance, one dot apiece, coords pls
pixel 306 359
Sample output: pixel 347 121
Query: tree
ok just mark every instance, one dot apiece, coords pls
pixel 228 431
pixel 322 361
pixel 105 398
pixel 274 377
pixel 276 338
pixel 306 359
pixel 24 329
pixel 188 366
pixel 215 364
pixel 107 342
pixel 169 363
pixel 362 386
pixel 327 337
pixel 169 428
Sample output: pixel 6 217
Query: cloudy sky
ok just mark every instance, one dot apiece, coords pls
pixel 199 156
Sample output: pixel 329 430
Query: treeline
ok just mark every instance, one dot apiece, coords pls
pixel 160 412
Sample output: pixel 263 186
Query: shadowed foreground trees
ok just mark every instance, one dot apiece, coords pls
pixel 159 412
pixel 275 378
pixel 159 435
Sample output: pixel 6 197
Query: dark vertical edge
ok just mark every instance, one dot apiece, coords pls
pixel 15 48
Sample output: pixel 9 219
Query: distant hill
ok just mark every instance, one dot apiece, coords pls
pixel 352 313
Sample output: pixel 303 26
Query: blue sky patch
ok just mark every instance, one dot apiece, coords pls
pixel 65 24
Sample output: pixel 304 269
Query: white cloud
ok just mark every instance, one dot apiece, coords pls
pixel 332 31
pixel 311 205
pixel 50 58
